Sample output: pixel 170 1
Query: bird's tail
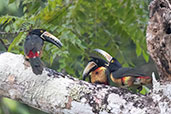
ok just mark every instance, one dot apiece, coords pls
pixel 37 65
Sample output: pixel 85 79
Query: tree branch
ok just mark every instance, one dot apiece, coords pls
pixel 4 44
pixel 55 92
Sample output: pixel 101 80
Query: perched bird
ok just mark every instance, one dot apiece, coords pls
pixel 33 47
pixel 96 68
pixel 124 77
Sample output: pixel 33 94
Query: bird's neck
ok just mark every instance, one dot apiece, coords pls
pixel 113 69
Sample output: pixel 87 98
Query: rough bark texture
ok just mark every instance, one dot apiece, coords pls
pixel 159 36
pixel 54 92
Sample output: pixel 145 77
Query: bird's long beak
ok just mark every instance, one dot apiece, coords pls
pixel 90 67
pixel 51 38
pixel 105 54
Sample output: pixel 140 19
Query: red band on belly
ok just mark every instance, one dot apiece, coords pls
pixel 144 77
pixel 32 55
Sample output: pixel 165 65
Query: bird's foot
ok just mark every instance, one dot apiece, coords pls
pixel 26 64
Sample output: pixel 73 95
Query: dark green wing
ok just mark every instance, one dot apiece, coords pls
pixel 122 72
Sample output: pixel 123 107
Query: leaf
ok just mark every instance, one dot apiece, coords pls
pixel 138 50
pixel 16 41
pixel 144 90
pixel 13 106
pixel 24 9
pixel 146 56
pixel 11 1
pixel 81 14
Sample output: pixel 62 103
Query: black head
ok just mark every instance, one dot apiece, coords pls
pixel 46 36
pixel 100 62
pixel 92 65
pixel 38 32
pixel 114 65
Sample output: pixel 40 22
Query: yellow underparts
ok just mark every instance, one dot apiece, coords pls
pixel 99 75
pixel 125 81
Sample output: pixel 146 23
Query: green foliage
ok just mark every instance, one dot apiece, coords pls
pixel 145 90
pixel 116 26
pixel 8 106
pixel 12 105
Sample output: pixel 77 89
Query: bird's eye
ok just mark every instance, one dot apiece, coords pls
pixel 41 31
pixel 96 72
pixel 112 61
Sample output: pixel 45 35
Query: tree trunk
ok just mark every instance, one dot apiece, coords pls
pixel 159 37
